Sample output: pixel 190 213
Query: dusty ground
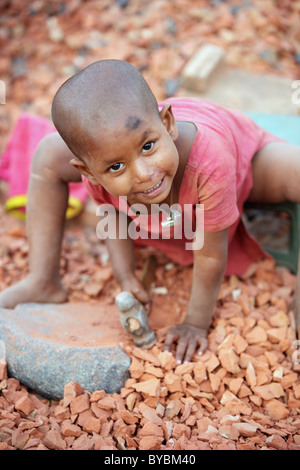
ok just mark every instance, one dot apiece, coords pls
pixel 244 392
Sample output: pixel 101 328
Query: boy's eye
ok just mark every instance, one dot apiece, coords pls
pixel 148 146
pixel 116 167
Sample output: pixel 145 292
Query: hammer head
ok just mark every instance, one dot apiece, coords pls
pixel 134 319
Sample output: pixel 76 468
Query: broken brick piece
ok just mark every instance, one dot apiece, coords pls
pixel 173 408
pixel 71 391
pixel 91 425
pixel 25 405
pixel 107 403
pixel 229 432
pixel 212 363
pixel 250 375
pixel 263 298
pixel 202 66
pixel 145 356
pixel 234 405
pixel 256 335
pixel 149 443
pixel 275 335
pixel 167 360
pixel 79 404
pixel 229 360
pixel 240 344
pixel 269 391
pixel 150 387
pixel 173 382
pixel 277 442
pixel 54 441
pixel 68 429
pixel 235 385
pixel 97 395
pixel 129 418
pixel 19 439
pixel 289 380
pixel 151 429
pixel 280 319
pixel 150 415
pixel 276 409
pixel 246 429
pixel 136 368
pixel 199 372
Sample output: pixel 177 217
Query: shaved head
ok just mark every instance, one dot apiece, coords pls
pixel 107 93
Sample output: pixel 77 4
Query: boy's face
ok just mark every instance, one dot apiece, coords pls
pixel 137 158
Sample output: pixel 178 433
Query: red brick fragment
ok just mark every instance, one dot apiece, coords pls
pixel 53 440
pixel 80 403
pixel 107 403
pixel 71 391
pixel 277 442
pixel 68 429
pixel 85 442
pixel 19 439
pixel 25 405
pixel 276 410
pixel 149 443
pixel 229 432
pixel 91 425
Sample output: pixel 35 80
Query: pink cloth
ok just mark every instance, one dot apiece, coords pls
pixel 16 160
pixel 218 174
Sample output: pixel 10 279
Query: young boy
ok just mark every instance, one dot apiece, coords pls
pixel 112 134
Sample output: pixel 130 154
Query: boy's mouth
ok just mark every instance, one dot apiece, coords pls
pixel 154 190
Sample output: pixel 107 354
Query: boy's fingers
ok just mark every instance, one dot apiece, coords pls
pixel 192 346
pixel 148 307
pixel 203 346
pixel 170 338
pixel 181 348
pixel 141 295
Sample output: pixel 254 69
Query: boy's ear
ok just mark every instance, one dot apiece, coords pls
pixel 83 169
pixel 168 120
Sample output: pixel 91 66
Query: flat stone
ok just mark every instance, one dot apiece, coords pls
pixel 250 92
pixel 49 345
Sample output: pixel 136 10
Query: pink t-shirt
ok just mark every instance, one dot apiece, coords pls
pixel 217 174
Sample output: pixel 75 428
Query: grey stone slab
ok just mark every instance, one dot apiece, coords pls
pixel 47 346
pixel 249 91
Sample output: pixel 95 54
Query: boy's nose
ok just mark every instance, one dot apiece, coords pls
pixel 143 170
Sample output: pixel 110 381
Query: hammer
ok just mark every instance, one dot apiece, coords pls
pixel 132 312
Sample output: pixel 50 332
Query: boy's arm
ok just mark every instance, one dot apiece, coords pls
pixel 121 254
pixel 208 272
pixel 46 206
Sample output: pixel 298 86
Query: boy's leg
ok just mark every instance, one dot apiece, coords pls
pixel 46 207
pixel 276 178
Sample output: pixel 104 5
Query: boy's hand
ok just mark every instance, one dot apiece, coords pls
pixel 134 286
pixel 188 337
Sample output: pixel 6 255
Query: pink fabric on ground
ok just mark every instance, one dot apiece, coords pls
pixel 218 174
pixel 16 160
